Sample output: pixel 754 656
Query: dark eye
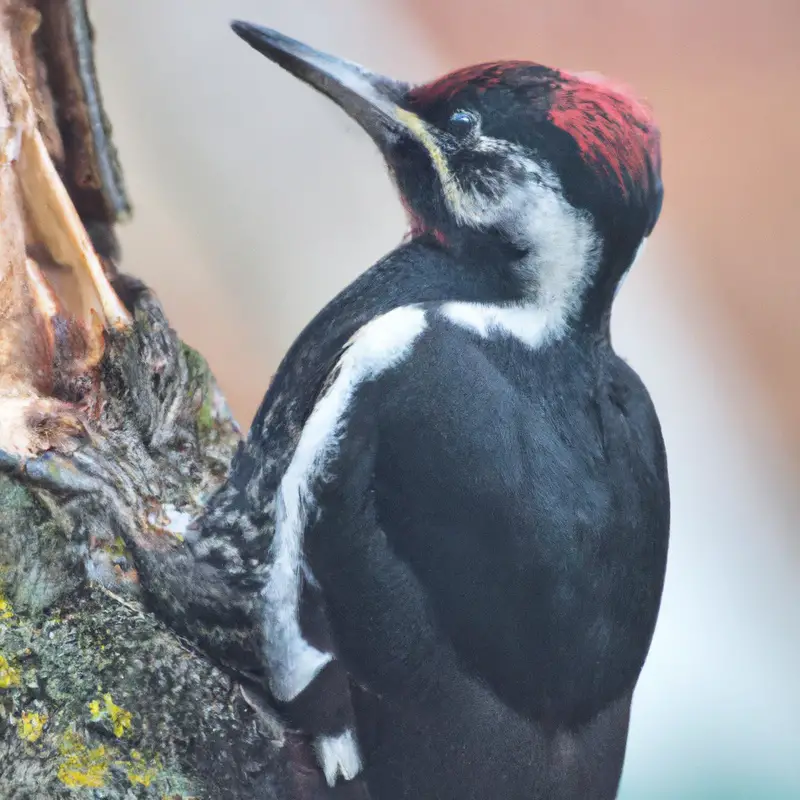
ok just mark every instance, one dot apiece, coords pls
pixel 462 123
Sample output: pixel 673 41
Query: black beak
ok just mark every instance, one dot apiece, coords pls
pixel 371 100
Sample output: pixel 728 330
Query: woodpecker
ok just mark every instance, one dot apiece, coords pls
pixel 454 498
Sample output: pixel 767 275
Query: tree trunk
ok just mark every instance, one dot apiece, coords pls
pixel 112 434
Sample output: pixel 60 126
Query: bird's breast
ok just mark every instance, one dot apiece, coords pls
pixel 542 561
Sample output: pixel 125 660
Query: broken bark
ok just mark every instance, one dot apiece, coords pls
pixel 113 434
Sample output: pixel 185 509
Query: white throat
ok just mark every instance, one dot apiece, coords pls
pixel 564 252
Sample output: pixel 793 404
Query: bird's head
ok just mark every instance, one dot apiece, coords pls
pixel 555 174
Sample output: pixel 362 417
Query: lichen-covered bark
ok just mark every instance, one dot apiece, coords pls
pixel 97 698
pixel 113 434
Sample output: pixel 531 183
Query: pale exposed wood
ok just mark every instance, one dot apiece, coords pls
pixel 60 229
pixel 38 215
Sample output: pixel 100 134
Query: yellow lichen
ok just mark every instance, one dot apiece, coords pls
pixel 9 676
pixel 81 766
pixel 31 726
pixel 143 778
pixel 6 612
pixel 139 772
pixel 86 767
pixel 120 718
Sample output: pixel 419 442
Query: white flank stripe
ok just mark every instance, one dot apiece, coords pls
pixel 379 345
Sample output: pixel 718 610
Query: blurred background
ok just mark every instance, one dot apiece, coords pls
pixel 257 200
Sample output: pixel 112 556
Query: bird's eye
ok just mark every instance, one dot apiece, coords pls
pixel 462 124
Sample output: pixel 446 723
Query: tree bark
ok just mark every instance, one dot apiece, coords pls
pixel 113 434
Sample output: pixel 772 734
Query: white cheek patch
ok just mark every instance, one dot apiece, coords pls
pixel 563 255
pixel 379 345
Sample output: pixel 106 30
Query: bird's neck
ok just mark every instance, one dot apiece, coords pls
pixel 600 293
pixel 566 287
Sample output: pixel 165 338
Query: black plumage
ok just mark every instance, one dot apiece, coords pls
pixel 453 474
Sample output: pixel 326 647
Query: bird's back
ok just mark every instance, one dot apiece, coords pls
pixel 527 491
pixel 419 271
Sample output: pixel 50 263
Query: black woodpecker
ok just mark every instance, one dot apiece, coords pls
pixel 455 493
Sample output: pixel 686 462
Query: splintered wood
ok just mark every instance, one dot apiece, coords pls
pixel 55 298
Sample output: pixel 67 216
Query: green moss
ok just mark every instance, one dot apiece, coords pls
pixel 205 418
pixel 199 380
pixel 117 547
pixel 199 371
